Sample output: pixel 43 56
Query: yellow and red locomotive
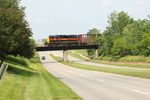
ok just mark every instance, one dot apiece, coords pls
pixel 72 40
pixel 54 40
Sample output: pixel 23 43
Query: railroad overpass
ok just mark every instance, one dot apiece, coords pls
pixel 66 48
pixel 70 42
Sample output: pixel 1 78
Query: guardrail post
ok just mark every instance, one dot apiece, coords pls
pixel 65 55
pixel 3 70
pixel 96 52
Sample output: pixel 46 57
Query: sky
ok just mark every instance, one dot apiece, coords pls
pixel 53 17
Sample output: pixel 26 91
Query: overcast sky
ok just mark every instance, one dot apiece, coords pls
pixel 48 17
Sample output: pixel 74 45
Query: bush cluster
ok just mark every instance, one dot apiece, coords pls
pixel 124 36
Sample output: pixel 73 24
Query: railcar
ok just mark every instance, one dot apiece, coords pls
pixel 66 40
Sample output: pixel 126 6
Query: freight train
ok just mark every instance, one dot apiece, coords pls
pixel 69 40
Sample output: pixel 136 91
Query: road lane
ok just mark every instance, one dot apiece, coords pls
pixel 60 54
pixel 92 85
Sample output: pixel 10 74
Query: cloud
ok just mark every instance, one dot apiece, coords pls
pixel 106 3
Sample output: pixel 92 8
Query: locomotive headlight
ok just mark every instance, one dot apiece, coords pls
pixel 47 40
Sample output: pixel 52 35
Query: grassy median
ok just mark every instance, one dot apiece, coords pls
pixel 129 72
pixel 33 82
pixel 76 54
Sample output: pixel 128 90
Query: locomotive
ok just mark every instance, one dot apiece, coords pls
pixel 69 40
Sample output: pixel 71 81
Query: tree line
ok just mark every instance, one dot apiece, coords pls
pixel 124 36
pixel 15 33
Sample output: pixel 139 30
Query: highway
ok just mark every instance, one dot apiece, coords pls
pixel 92 85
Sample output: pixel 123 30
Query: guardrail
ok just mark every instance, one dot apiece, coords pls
pixel 3 69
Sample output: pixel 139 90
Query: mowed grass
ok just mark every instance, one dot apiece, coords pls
pixel 129 72
pixel 80 51
pixel 123 65
pixel 33 83
pixel 77 53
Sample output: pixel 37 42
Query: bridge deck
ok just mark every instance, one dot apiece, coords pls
pixel 46 48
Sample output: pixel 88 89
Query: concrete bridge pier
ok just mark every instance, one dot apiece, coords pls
pixel 65 55
pixel 96 52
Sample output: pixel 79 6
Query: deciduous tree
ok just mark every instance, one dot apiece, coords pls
pixel 14 31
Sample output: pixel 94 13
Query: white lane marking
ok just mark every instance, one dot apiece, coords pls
pixel 100 80
pixel 139 91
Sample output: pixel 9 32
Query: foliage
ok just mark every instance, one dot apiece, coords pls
pixel 125 36
pixel 117 21
pixel 26 48
pixel 145 45
pixel 93 31
pixel 9 4
pixel 134 34
pixel 14 31
pixel 120 47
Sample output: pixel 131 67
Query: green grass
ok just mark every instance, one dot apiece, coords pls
pixel 123 65
pixel 76 54
pixel 129 72
pixel 84 52
pixel 108 58
pixel 135 59
pixel 115 58
pixel 33 83
pixel 19 60
pixel 128 59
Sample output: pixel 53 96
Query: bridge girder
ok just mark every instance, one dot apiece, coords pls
pixel 54 48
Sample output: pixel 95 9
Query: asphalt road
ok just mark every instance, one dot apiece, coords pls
pixel 92 85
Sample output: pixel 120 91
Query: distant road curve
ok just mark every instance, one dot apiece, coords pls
pixel 60 54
